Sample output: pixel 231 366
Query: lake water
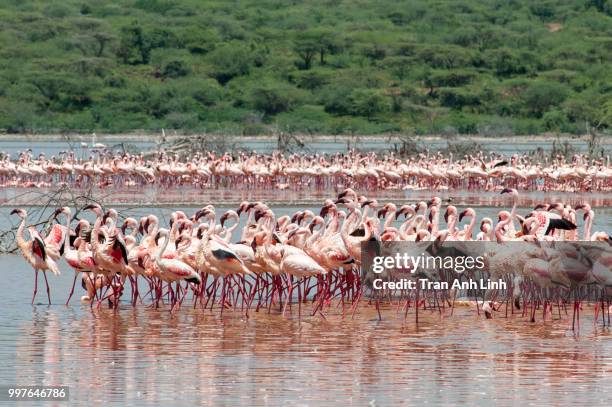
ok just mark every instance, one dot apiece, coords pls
pixel 141 356
pixel 268 145
pixel 192 357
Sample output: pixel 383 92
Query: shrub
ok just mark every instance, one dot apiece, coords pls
pixel 230 60
pixel 367 102
pixel 273 99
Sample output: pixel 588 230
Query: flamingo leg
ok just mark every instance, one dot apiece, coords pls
pixel 48 289
pixel 35 285
pixel 72 289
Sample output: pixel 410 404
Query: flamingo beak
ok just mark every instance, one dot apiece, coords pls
pixel 14 211
pixel 382 213
pixel 445 216
pixel 506 191
pixel 324 211
pixel 223 219
pixel 239 211
pixel 366 202
pixel 157 236
pixel 462 215
pixel 254 245
pixel 581 206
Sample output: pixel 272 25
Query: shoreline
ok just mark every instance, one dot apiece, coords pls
pixel 154 138
pixel 197 197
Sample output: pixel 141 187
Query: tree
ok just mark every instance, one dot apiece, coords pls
pixel 134 46
pixel 175 69
pixel 230 60
pixel 102 39
pixel 273 99
pixel 306 47
pixel 541 96
pixel 367 102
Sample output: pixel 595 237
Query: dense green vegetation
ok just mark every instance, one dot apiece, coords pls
pixel 321 66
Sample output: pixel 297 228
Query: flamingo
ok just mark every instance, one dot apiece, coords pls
pixel 34 252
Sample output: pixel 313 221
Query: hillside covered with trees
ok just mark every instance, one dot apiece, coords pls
pixel 495 67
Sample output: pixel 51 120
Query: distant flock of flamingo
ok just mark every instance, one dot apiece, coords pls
pixel 299 171
pixel 318 256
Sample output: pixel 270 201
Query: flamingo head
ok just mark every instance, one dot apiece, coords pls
pixel 347 191
pixel 259 214
pixel 467 212
pixel 485 224
pixel 488 307
pixel 161 233
pixel 435 201
pixel 143 226
pixel 258 239
pixel 407 210
pixel 367 202
pixel 110 214
pixel 19 212
pixel 342 200
pixel 129 223
pixel 95 208
pixel 386 209
pixel 81 227
pixel 297 217
pixel 327 208
pixel 558 206
pixel 65 210
pixel 244 207
pixel 450 211
pixel 586 207
pixel 511 191
pixel 223 219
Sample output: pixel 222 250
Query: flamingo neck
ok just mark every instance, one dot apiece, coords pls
pixel 163 247
pixel 389 219
pixel 588 226
pixel 470 229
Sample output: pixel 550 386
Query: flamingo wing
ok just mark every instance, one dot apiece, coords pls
pixel 559 224
pixel 56 235
pixel 222 254
pixel 38 247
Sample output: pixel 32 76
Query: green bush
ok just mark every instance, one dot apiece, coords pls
pixel 541 96
pixel 320 66
pixel 273 99
pixel 367 103
pixel 230 60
